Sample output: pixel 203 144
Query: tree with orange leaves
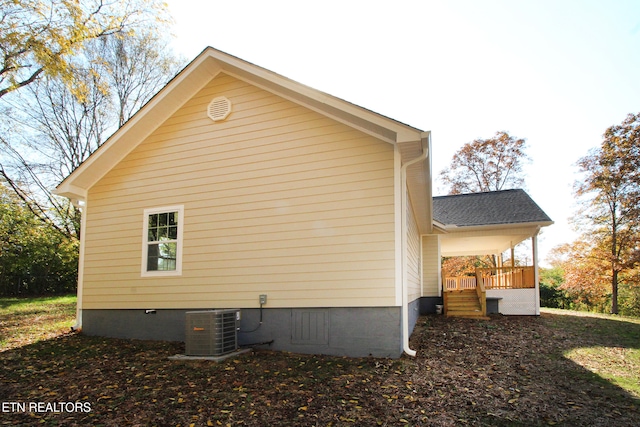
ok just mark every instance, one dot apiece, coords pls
pixel 610 208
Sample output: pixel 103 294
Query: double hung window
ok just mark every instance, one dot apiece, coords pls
pixel 162 240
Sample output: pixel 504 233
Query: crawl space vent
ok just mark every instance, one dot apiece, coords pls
pixel 219 108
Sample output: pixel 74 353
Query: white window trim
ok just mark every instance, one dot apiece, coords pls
pixel 145 241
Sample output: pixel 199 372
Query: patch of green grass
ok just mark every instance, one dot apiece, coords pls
pixel 609 346
pixel 618 365
pixel 28 320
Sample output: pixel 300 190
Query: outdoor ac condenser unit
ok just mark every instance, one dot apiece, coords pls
pixel 211 333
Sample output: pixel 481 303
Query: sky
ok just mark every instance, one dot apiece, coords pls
pixel 557 73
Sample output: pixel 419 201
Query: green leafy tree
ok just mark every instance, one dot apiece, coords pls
pixel 34 259
pixel 551 292
pixel 629 299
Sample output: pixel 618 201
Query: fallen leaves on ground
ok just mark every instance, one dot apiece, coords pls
pixel 502 372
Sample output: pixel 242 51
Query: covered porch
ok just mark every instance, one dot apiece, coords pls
pixel 504 290
pixel 491 223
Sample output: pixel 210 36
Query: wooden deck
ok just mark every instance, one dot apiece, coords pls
pixel 465 296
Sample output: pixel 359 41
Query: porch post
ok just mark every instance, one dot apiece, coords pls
pixel 536 277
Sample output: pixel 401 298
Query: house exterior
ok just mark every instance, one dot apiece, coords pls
pixel 235 182
pixel 236 188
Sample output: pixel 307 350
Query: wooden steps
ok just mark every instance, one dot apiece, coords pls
pixel 463 303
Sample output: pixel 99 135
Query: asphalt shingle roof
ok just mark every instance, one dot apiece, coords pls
pixel 488 208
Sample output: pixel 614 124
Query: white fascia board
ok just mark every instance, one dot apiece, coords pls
pixel 461 229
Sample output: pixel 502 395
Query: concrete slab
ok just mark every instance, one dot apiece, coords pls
pixel 184 357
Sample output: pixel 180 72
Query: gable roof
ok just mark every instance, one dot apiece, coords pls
pixel 410 142
pixel 488 208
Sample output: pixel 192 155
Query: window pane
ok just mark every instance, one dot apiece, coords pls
pixel 168 250
pixel 152 258
pixel 173 218
pixel 173 233
pixel 163 233
pixel 153 221
pixel 167 256
pixel 153 235
pixel 163 219
pixel 169 265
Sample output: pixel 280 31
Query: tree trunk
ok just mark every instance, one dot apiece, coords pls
pixel 614 291
pixel 614 259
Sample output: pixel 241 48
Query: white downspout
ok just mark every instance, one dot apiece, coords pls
pixel 404 228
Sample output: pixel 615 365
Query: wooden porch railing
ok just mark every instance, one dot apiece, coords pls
pixel 507 277
pixel 482 294
pixel 459 283
pixel 493 278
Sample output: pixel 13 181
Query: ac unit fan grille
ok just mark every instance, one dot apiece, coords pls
pixel 211 333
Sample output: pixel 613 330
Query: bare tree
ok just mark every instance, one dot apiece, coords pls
pixel 60 130
pixel 484 165
pixel 135 68
pixel 487 165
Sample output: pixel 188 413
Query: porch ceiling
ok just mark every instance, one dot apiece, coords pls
pixel 458 242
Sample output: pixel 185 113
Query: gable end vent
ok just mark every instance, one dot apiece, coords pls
pixel 219 109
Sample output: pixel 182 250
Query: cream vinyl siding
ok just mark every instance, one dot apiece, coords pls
pixel 413 255
pixel 278 200
pixel 431 278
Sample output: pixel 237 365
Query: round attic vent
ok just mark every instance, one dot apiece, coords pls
pixel 219 108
